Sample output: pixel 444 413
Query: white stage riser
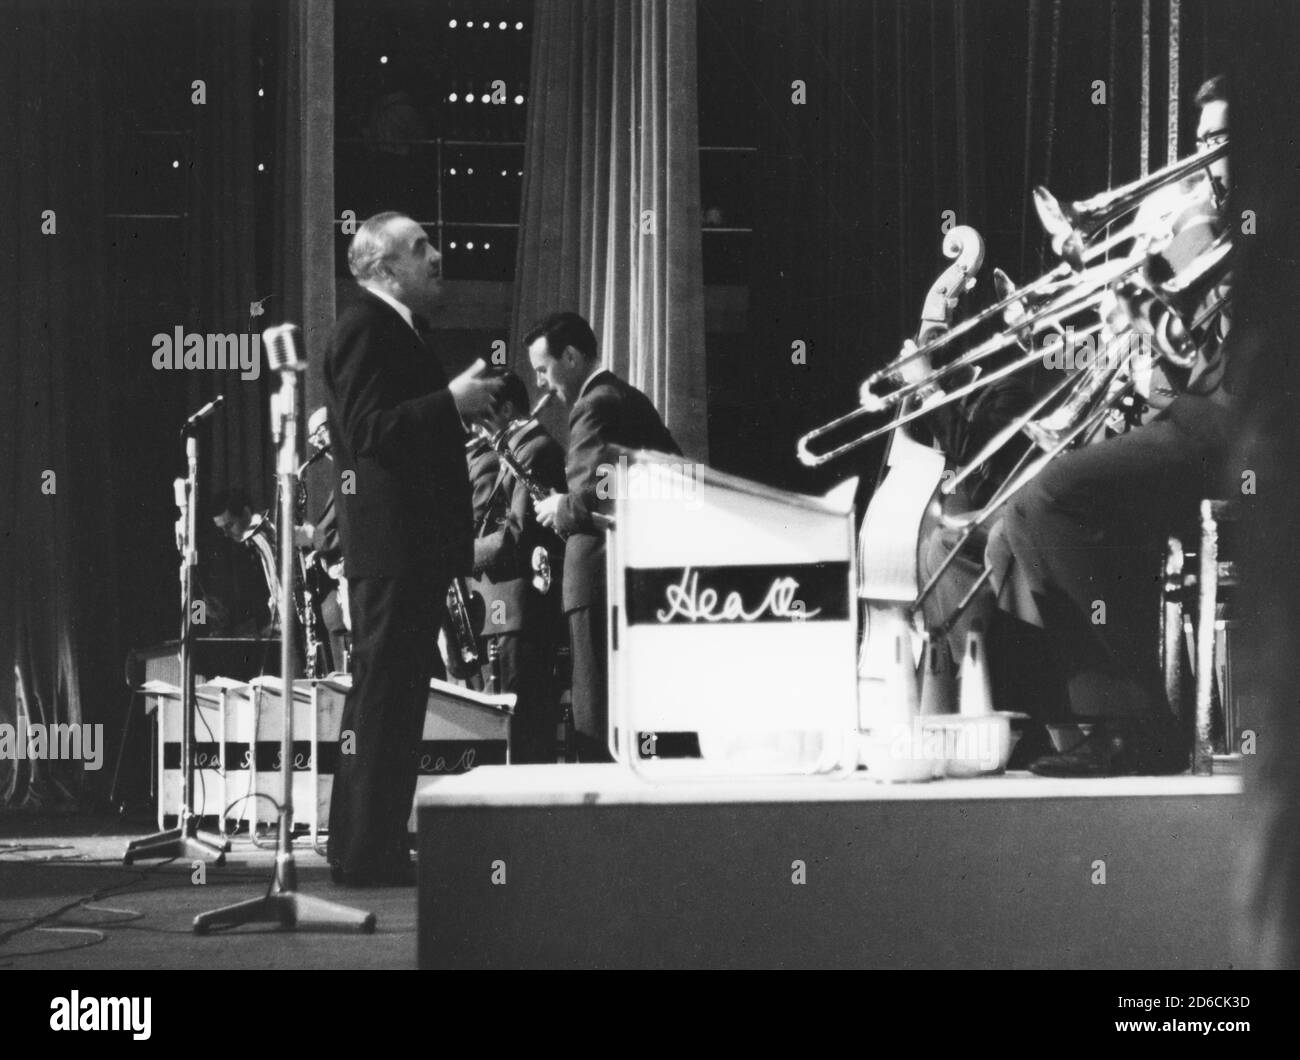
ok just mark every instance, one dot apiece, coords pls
pixel 459 733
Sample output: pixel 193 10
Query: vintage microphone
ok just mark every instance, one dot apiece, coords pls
pixel 282 904
pixel 185 840
pixel 203 413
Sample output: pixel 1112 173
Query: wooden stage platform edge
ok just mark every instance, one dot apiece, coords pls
pixel 591 867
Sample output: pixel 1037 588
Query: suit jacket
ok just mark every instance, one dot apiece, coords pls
pixel 484 466
pixel 325 538
pixel 609 411
pixel 509 532
pixel 396 431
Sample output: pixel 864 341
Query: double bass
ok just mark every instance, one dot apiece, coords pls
pixel 889 538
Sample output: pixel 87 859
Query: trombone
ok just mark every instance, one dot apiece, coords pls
pixel 1021 477
pixel 1073 286
pixel 1072 225
pixel 1087 294
pixel 1155 310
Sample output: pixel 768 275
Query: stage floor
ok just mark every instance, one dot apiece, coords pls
pixel 67 902
pixel 996 847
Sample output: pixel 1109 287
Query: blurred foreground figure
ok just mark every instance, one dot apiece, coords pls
pixel 1265 64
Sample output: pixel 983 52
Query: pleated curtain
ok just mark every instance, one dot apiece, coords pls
pixel 610 218
pixel 58 551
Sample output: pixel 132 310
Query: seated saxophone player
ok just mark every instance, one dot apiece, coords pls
pixel 1077 551
pixel 236 519
pixel 517 567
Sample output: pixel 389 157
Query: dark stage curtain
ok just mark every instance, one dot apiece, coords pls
pixel 222 243
pixel 915 116
pixel 302 265
pixel 58 545
pixel 610 220
pixel 87 570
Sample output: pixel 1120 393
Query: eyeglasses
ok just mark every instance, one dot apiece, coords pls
pixel 1213 139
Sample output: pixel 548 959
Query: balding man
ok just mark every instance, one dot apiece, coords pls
pixel 405 522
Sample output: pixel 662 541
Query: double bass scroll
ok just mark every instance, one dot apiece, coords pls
pixel 888 541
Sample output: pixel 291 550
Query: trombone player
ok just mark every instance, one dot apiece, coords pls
pixel 1075 551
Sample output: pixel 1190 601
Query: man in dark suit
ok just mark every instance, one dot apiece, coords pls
pixel 403 502
pixel 236 518
pixel 484 466
pixel 1077 551
pixel 603 410
pixel 521 602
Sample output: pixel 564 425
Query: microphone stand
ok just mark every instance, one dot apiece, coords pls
pixel 185 840
pixel 283 904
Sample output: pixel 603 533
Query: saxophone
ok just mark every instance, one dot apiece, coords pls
pixel 465 614
pixel 541 558
pixel 304 594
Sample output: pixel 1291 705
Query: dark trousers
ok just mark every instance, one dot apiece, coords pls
pixel 332 620
pixel 526 663
pixel 1022 679
pixel 395 625
pixel 587 640
pixel 1082 547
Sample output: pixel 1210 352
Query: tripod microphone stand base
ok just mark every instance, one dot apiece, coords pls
pixel 183 842
pixel 286 907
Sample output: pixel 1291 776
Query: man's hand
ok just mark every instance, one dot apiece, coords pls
pixel 302 535
pixel 546 510
pixel 474 395
pixel 916 370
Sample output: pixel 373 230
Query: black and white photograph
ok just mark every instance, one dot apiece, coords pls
pixel 651 485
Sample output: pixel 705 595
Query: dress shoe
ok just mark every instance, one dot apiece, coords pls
pixel 1119 749
pixel 1032 745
